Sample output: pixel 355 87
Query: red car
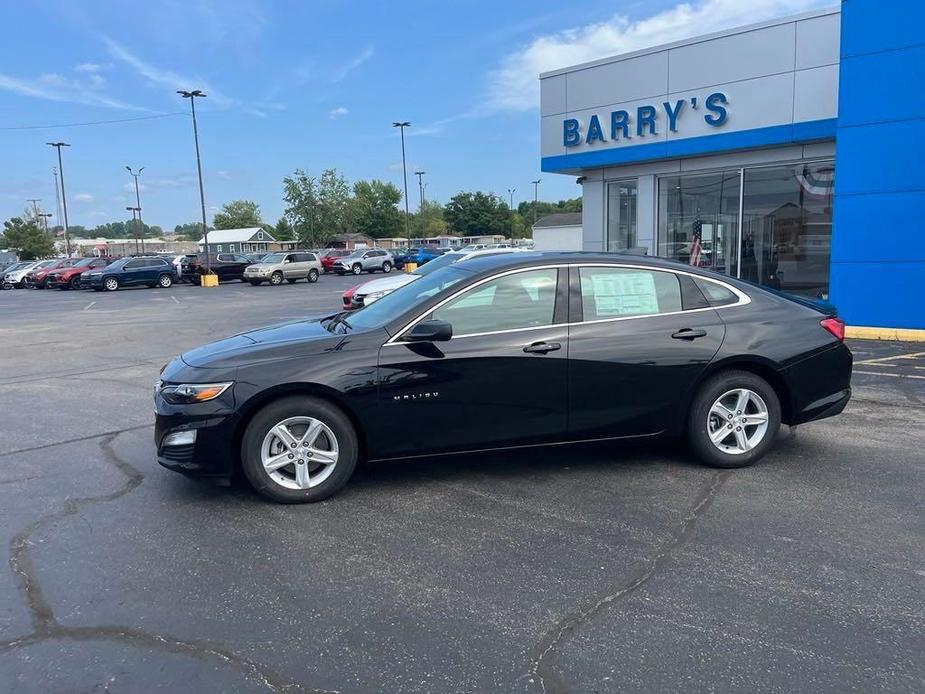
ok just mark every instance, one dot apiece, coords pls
pixel 37 278
pixel 69 277
pixel 328 256
pixel 347 297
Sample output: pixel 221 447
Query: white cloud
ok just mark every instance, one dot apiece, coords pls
pixel 164 77
pixel 339 73
pixel 336 113
pixel 514 84
pixel 83 197
pixel 224 175
pixel 52 86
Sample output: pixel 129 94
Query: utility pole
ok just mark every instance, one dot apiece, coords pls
pixel 54 170
pixel 67 238
pixel 510 192
pixel 133 210
pixel 35 207
pixel 536 187
pixel 138 204
pixel 401 125
pixel 202 196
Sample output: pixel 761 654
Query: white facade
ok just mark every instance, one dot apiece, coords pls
pixel 753 96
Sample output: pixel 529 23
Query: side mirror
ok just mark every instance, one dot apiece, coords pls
pixel 430 331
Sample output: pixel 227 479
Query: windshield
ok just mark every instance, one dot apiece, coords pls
pixel 392 305
pixel 357 253
pixel 84 262
pixel 273 258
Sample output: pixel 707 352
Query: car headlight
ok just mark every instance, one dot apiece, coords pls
pixel 187 393
pixel 374 296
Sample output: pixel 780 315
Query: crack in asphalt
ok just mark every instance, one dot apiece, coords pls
pixel 542 665
pixel 89 437
pixel 46 628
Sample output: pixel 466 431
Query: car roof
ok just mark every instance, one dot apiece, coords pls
pixel 526 258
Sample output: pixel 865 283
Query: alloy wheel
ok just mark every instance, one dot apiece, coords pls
pixel 737 421
pixel 112 284
pixel 299 452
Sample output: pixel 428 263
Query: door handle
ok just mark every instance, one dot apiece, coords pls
pixel 689 334
pixel 542 347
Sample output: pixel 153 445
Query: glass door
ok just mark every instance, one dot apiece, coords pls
pixel 621 216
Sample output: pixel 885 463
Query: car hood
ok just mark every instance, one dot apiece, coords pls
pixel 286 340
pixel 384 284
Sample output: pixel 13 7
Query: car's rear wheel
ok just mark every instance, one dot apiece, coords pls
pixel 111 284
pixel 387 267
pixel 276 278
pixel 356 269
pixel 734 419
pixel 312 276
pixel 165 281
pixel 299 449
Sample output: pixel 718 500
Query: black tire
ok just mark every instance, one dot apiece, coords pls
pixel 312 276
pixel 710 391
pixel 110 284
pixel 296 406
pixel 356 269
pixel 75 282
pixel 276 278
pixel 255 283
pixel 165 281
pixel 387 267
pixel 292 280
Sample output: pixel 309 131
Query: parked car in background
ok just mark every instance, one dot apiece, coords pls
pixel 424 254
pixel 15 276
pixel 178 262
pixel 37 265
pixel 290 266
pixel 364 294
pixel 256 257
pixel 364 260
pixel 70 277
pixel 132 272
pixel 329 255
pixel 36 277
pixel 228 266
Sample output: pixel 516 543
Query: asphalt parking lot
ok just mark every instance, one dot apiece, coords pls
pixel 591 570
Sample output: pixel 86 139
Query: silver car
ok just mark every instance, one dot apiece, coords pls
pixel 364 260
pixel 291 266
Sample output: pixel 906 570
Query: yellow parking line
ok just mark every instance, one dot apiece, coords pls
pixel 914 355
pixel 877 373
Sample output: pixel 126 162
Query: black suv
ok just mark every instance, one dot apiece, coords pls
pixel 228 266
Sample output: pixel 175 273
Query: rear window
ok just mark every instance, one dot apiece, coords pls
pixel 716 294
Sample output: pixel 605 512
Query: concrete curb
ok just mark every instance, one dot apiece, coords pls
pixel 901 334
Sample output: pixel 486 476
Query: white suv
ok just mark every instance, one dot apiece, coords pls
pixel 276 267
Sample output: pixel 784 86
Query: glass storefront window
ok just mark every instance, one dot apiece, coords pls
pixel 621 216
pixel 698 219
pixel 787 227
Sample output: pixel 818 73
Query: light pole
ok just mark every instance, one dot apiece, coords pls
pixel 401 125
pixel 202 196
pixel 35 207
pixel 536 188
pixel 510 192
pixel 138 204
pixel 54 170
pixel 45 216
pixel 420 175
pixel 67 238
pixel 133 210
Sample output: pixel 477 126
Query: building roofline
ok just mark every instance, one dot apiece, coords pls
pixel 744 29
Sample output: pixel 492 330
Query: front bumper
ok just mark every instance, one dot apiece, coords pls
pixel 92 282
pixel 212 454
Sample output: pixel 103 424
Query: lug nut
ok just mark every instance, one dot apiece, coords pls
pixel 291 456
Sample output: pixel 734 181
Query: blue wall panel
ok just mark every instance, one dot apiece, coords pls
pixel 878 273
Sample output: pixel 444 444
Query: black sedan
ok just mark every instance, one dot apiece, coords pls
pixel 506 351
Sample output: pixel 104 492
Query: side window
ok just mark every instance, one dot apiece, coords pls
pixel 612 292
pixel 241 259
pixel 298 258
pixel 521 300
pixel 132 264
pixel 716 294
pixel 310 257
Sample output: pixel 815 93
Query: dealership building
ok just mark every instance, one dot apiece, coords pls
pixel 790 153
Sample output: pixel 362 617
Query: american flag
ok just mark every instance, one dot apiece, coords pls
pixel 696 242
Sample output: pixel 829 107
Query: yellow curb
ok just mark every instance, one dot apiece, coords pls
pixel 902 334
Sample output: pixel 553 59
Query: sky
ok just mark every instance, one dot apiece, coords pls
pixel 307 85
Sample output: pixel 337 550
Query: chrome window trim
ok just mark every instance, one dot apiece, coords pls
pixel 744 299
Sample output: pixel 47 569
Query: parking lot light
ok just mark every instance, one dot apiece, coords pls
pixel 192 95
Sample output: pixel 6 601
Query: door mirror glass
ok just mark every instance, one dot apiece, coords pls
pixel 430 331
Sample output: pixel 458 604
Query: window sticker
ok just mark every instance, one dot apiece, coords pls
pixel 624 293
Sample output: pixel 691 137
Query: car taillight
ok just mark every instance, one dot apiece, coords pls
pixel 836 326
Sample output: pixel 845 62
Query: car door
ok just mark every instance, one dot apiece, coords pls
pixel 236 271
pixel 639 338
pixel 501 379
pixel 289 266
pixel 133 272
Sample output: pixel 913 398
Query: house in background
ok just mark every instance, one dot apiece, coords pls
pixel 351 241
pixel 251 240
pixel 558 232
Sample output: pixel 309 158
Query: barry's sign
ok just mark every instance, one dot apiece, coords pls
pixel 624 125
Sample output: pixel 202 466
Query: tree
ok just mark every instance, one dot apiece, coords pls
pixel 283 230
pixel 191 231
pixel 374 210
pixel 317 208
pixel 526 208
pixel 429 222
pixel 475 214
pixel 238 214
pixel 26 238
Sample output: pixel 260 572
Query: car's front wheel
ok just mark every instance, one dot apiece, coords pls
pixel 299 449
pixel 312 276
pixel 356 269
pixel 111 284
pixel 75 282
pixel 276 278
pixel 734 419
